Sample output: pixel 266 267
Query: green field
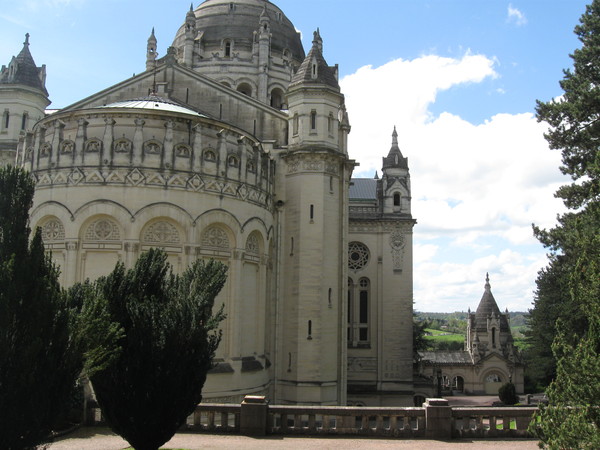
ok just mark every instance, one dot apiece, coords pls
pixel 444 336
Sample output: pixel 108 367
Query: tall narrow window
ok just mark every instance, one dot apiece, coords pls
pixel 6 119
pixel 291 246
pixel 24 121
pixel 313 120
pixel 227 49
pixel 295 125
pixel 330 123
pixel 329 298
pixel 312 212
pixel 396 199
pixel 358 312
pixel 494 337
pixel 363 310
pixel 309 329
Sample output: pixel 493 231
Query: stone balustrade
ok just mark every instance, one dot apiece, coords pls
pixel 435 420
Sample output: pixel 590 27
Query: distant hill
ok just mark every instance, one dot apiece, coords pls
pixel 456 322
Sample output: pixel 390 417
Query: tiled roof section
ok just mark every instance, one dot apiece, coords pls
pixel 322 74
pixel 446 357
pixel 394 157
pixel 24 71
pixel 363 189
pixel 487 308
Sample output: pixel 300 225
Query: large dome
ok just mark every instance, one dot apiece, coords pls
pixel 217 20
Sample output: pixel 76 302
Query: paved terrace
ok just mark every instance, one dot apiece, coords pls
pixel 98 438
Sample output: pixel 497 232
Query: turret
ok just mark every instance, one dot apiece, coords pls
pixel 264 50
pixel 396 180
pixel 316 105
pixel 151 52
pixel 190 36
pixel 23 99
pixel 315 221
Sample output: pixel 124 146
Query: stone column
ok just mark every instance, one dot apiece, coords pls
pixel 253 417
pixel 438 418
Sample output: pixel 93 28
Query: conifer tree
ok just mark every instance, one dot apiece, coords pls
pixel 39 360
pixel 170 334
pixel 572 315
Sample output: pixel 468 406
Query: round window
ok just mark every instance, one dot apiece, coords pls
pixel 358 255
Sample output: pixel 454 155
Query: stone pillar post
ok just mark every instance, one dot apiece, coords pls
pixel 253 417
pixel 438 418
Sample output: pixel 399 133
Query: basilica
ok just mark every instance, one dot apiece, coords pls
pixel 234 146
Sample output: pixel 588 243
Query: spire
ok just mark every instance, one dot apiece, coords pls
pixel 317 40
pixel 488 308
pixel 314 68
pixel 151 52
pixel 376 175
pixel 22 70
pixel 394 158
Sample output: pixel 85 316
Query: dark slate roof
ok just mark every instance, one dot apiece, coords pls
pixel 325 75
pixel 487 308
pixel 446 357
pixel 26 72
pixel 215 21
pixel 363 189
pixel 394 158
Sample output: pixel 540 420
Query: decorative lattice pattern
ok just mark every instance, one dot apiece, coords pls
pixel 102 230
pixel 53 230
pixel 161 233
pixel 358 255
pixel 252 244
pixel 215 237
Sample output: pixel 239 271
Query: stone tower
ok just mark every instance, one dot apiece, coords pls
pixel 315 220
pixel 488 330
pixel 23 99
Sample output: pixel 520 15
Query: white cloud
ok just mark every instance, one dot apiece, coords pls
pixel 477 187
pixel 515 16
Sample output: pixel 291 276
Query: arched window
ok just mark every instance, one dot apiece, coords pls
pixel 6 119
pixel 396 199
pixel 227 49
pixel 493 337
pixel 24 121
pixel 313 120
pixel 245 89
pixel 209 155
pixel 232 161
pixel 358 312
pixel 295 125
pixel 277 98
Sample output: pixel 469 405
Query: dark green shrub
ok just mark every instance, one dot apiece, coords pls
pixel 508 394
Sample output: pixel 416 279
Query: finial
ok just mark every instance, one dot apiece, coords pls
pixel 395 138
pixel 376 175
pixel 487 281
pixel 317 40
pixel 192 7
pixel 26 39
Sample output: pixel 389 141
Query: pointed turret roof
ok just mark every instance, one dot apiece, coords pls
pixel 314 68
pixel 394 158
pixel 22 70
pixel 489 308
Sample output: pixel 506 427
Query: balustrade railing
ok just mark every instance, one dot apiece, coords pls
pixel 435 420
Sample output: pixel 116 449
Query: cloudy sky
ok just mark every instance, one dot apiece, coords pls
pixel 458 78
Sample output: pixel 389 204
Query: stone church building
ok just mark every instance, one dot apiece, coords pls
pixel 233 146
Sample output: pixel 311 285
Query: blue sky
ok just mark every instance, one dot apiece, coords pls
pixel 459 79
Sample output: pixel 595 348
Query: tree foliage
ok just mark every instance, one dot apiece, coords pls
pixel 39 359
pixel 567 306
pixel 170 336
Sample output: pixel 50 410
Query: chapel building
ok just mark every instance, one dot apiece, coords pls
pixel 233 146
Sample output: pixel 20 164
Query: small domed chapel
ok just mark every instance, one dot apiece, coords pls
pixel 233 146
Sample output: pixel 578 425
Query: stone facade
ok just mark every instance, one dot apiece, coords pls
pixel 233 146
pixel 488 361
